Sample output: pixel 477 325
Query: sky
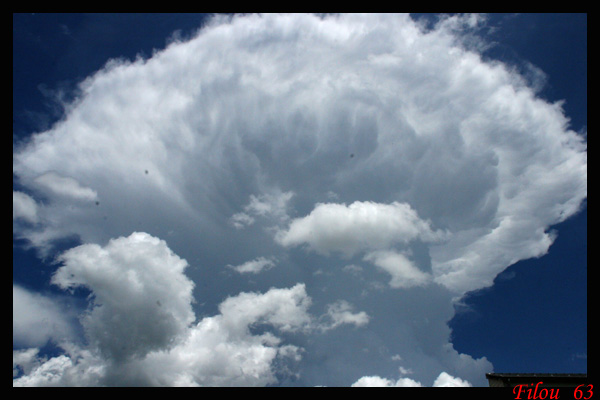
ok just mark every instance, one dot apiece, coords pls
pixel 297 199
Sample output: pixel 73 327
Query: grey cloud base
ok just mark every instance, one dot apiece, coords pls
pixel 277 168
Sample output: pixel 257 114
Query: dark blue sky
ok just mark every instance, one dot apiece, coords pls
pixel 534 318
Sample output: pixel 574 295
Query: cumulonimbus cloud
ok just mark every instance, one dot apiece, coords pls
pixel 402 147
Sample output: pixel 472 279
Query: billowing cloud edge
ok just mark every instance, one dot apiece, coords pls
pixel 142 298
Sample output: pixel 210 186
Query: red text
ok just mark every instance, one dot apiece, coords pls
pixel 579 393
pixel 535 393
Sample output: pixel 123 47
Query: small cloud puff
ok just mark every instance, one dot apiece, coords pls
pixel 269 205
pixel 254 266
pixel 404 273
pixel 443 380
pixel 360 226
pixel 340 313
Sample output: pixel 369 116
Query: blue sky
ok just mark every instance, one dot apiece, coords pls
pixel 298 200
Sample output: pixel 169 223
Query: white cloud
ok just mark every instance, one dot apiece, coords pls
pixel 239 220
pixel 65 187
pixel 222 351
pixel 443 380
pixel 443 167
pixel 50 373
pixel 360 226
pixel 472 150
pixel 24 207
pixel 285 309
pixel 24 360
pixel 140 321
pixel 376 381
pixel 254 266
pixel 38 319
pixel 271 205
pixel 404 273
pixel 142 299
pixel 78 367
pixel 217 351
pixel 447 380
pixel 339 313
pixel 353 269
